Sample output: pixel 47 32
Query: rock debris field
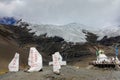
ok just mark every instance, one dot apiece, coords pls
pixel 67 73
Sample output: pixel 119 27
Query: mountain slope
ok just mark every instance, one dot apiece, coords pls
pixel 18 38
pixel 7 46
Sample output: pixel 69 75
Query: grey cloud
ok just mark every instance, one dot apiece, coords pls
pixel 88 12
pixel 5 0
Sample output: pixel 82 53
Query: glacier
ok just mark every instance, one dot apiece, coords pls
pixel 73 32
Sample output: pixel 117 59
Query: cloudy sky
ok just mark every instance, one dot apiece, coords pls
pixel 93 13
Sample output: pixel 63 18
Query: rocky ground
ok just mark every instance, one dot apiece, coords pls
pixel 67 73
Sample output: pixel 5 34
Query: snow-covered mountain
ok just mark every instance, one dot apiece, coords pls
pixel 109 31
pixel 73 32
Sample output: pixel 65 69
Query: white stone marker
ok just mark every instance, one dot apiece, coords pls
pixel 14 64
pixel 57 62
pixel 34 60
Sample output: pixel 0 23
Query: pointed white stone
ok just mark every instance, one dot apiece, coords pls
pixel 34 60
pixel 14 64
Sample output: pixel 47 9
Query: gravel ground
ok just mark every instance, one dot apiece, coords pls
pixel 67 73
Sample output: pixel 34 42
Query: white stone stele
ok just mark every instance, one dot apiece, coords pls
pixel 34 60
pixel 57 62
pixel 14 64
